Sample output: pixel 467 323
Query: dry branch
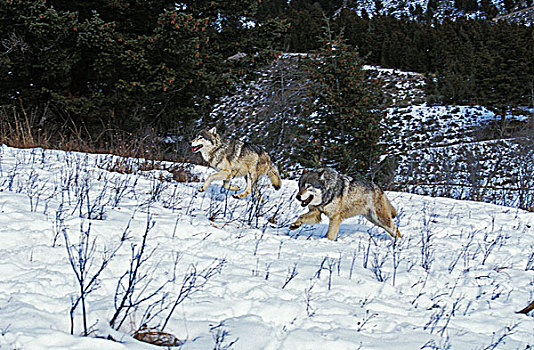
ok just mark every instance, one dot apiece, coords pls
pixel 526 310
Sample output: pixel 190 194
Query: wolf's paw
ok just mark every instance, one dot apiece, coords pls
pixel 233 188
pixel 201 189
pixel 295 225
pixel 240 195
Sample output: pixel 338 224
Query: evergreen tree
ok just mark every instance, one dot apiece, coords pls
pixel 305 22
pixel 346 125
pixel 466 5
pixel 488 8
pixel 271 9
pixel 35 42
pixel 127 65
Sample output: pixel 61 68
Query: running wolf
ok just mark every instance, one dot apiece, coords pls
pixel 233 158
pixel 325 191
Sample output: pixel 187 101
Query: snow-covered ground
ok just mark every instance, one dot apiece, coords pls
pixel 454 281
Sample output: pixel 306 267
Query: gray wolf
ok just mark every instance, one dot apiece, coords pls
pixel 233 158
pixel 325 191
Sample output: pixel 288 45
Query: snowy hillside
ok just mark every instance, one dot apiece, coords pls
pixel 518 11
pixel 462 152
pixel 238 277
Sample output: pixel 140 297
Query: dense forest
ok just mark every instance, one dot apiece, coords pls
pixel 101 70
pixel 468 61
pixel 94 68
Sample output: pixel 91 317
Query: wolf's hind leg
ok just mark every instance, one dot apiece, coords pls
pixel 384 220
pixel 251 180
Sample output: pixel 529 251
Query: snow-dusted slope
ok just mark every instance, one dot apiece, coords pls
pixel 462 152
pixel 441 9
pixel 455 279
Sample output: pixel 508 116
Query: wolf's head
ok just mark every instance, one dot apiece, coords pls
pixel 205 140
pixel 312 186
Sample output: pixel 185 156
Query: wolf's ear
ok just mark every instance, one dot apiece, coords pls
pixel 321 175
pixel 304 171
pixel 213 130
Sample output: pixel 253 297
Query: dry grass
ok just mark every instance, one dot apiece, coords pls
pixel 21 128
pixel 177 172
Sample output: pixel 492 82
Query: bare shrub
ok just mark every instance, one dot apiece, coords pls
pixel 82 259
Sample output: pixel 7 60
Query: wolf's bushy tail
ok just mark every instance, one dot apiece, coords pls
pixel 394 213
pixel 274 176
pixel 392 209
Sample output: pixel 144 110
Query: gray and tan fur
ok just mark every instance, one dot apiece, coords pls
pixel 339 197
pixel 233 158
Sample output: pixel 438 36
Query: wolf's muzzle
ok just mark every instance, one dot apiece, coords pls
pixel 304 202
pixel 307 201
pixel 195 149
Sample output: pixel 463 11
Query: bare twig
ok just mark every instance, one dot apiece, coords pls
pixel 526 310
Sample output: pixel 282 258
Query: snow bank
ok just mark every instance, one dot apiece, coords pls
pixel 455 279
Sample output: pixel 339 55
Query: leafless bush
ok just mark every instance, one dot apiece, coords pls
pixel 497 170
pixel 39 126
pixel 137 290
pixel 220 334
pixel 378 261
pixel 427 252
pixel 193 281
pixel 530 261
pixel 498 338
pixel 272 106
pixel 374 258
pixel 354 256
pixel 291 274
pixel 396 254
pixel 464 252
pixel 331 264
pixel 14 42
pixel 368 317
pixel 82 259
pixel 308 298
pixel 490 242
pixel 132 286
pixel 18 127
pixel 444 344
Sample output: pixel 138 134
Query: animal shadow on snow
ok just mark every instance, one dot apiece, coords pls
pixel 353 228
pixel 216 192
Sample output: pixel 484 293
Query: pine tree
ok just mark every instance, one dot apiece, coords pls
pixel 35 46
pixel 345 125
pixel 128 65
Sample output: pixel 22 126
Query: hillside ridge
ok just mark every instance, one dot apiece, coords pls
pixel 438 149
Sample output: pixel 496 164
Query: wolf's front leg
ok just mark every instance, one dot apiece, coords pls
pixel 221 175
pixel 333 227
pixel 311 217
